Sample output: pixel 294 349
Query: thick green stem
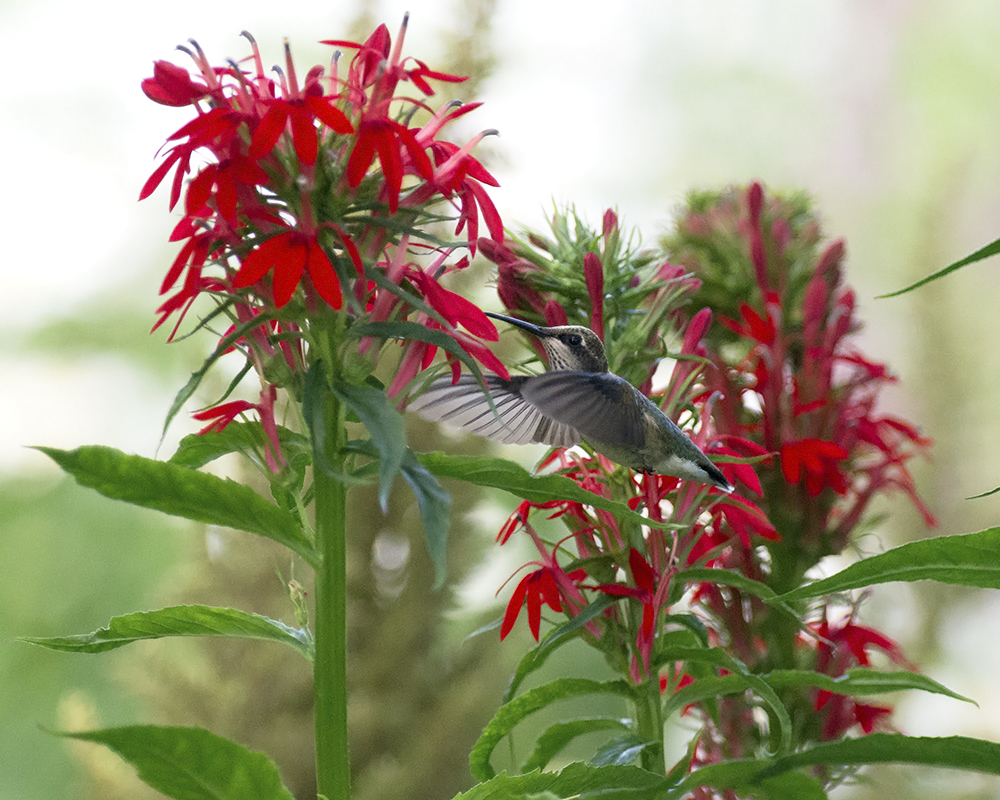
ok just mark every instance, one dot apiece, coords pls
pixel 330 665
pixel 649 723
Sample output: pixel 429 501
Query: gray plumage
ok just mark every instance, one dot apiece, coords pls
pixel 577 399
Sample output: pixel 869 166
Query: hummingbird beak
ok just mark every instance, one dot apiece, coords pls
pixel 520 323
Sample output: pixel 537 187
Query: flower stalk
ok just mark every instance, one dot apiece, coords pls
pixel 330 659
pixel 320 201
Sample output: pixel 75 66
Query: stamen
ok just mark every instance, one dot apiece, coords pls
pixel 258 64
pixel 293 83
pixel 398 46
pixel 282 81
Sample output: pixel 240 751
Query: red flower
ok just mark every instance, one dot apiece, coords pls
pixel 218 417
pixel 226 178
pixel 300 114
pixel 453 307
pixel 222 415
pixel 532 590
pixel 172 86
pixel 390 139
pixel 550 585
pixel 290 255
pixel 762 330
pixel 839 647
pixel 745 519
pixel 815 460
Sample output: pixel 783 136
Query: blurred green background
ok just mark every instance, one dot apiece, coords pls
pixel 886 111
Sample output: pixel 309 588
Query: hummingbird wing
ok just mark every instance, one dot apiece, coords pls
pixel 513 419
pixel 601 406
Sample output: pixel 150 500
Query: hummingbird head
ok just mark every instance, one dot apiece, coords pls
pixel 567 346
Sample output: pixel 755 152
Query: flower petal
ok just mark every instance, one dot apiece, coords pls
pixel 260 261
pixel 323 276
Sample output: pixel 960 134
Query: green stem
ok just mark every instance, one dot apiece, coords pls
pixel 330 664
pixel 649 723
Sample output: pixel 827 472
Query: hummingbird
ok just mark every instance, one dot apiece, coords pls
pixel 577 399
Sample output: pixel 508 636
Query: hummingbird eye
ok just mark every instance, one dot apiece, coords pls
pixel 573 339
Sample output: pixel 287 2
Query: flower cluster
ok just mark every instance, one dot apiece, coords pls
pixel 631 302
pixel 307 208
pixel 788 372
pixel 769 382
pixel 790 379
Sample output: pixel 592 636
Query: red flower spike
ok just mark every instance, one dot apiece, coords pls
pixel 593 276
pixel 278 247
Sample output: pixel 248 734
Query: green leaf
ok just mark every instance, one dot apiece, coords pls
pixel 788 786
pixel 992 249
pixel 313 412
pixel 966 560
pixel 197 450
pixel 954 752
pixel 435 507
pixel 706 688
pixel 432 500
pixel 749 778
pixel 417 332
pixel 500 473
pixel 622 750
pixel 182 492
pixel 575 781
pixel 557 736
pixel 386 428
pixel 510 714
pixel 178 621
pixel 724 577
pixel 709 688
pixel 557 637
pixel 191 763
pixel 714 656
pixel 860 681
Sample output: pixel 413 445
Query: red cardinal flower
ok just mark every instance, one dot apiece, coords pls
pixel 290 255
pixel 172 85
pixel 817 462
